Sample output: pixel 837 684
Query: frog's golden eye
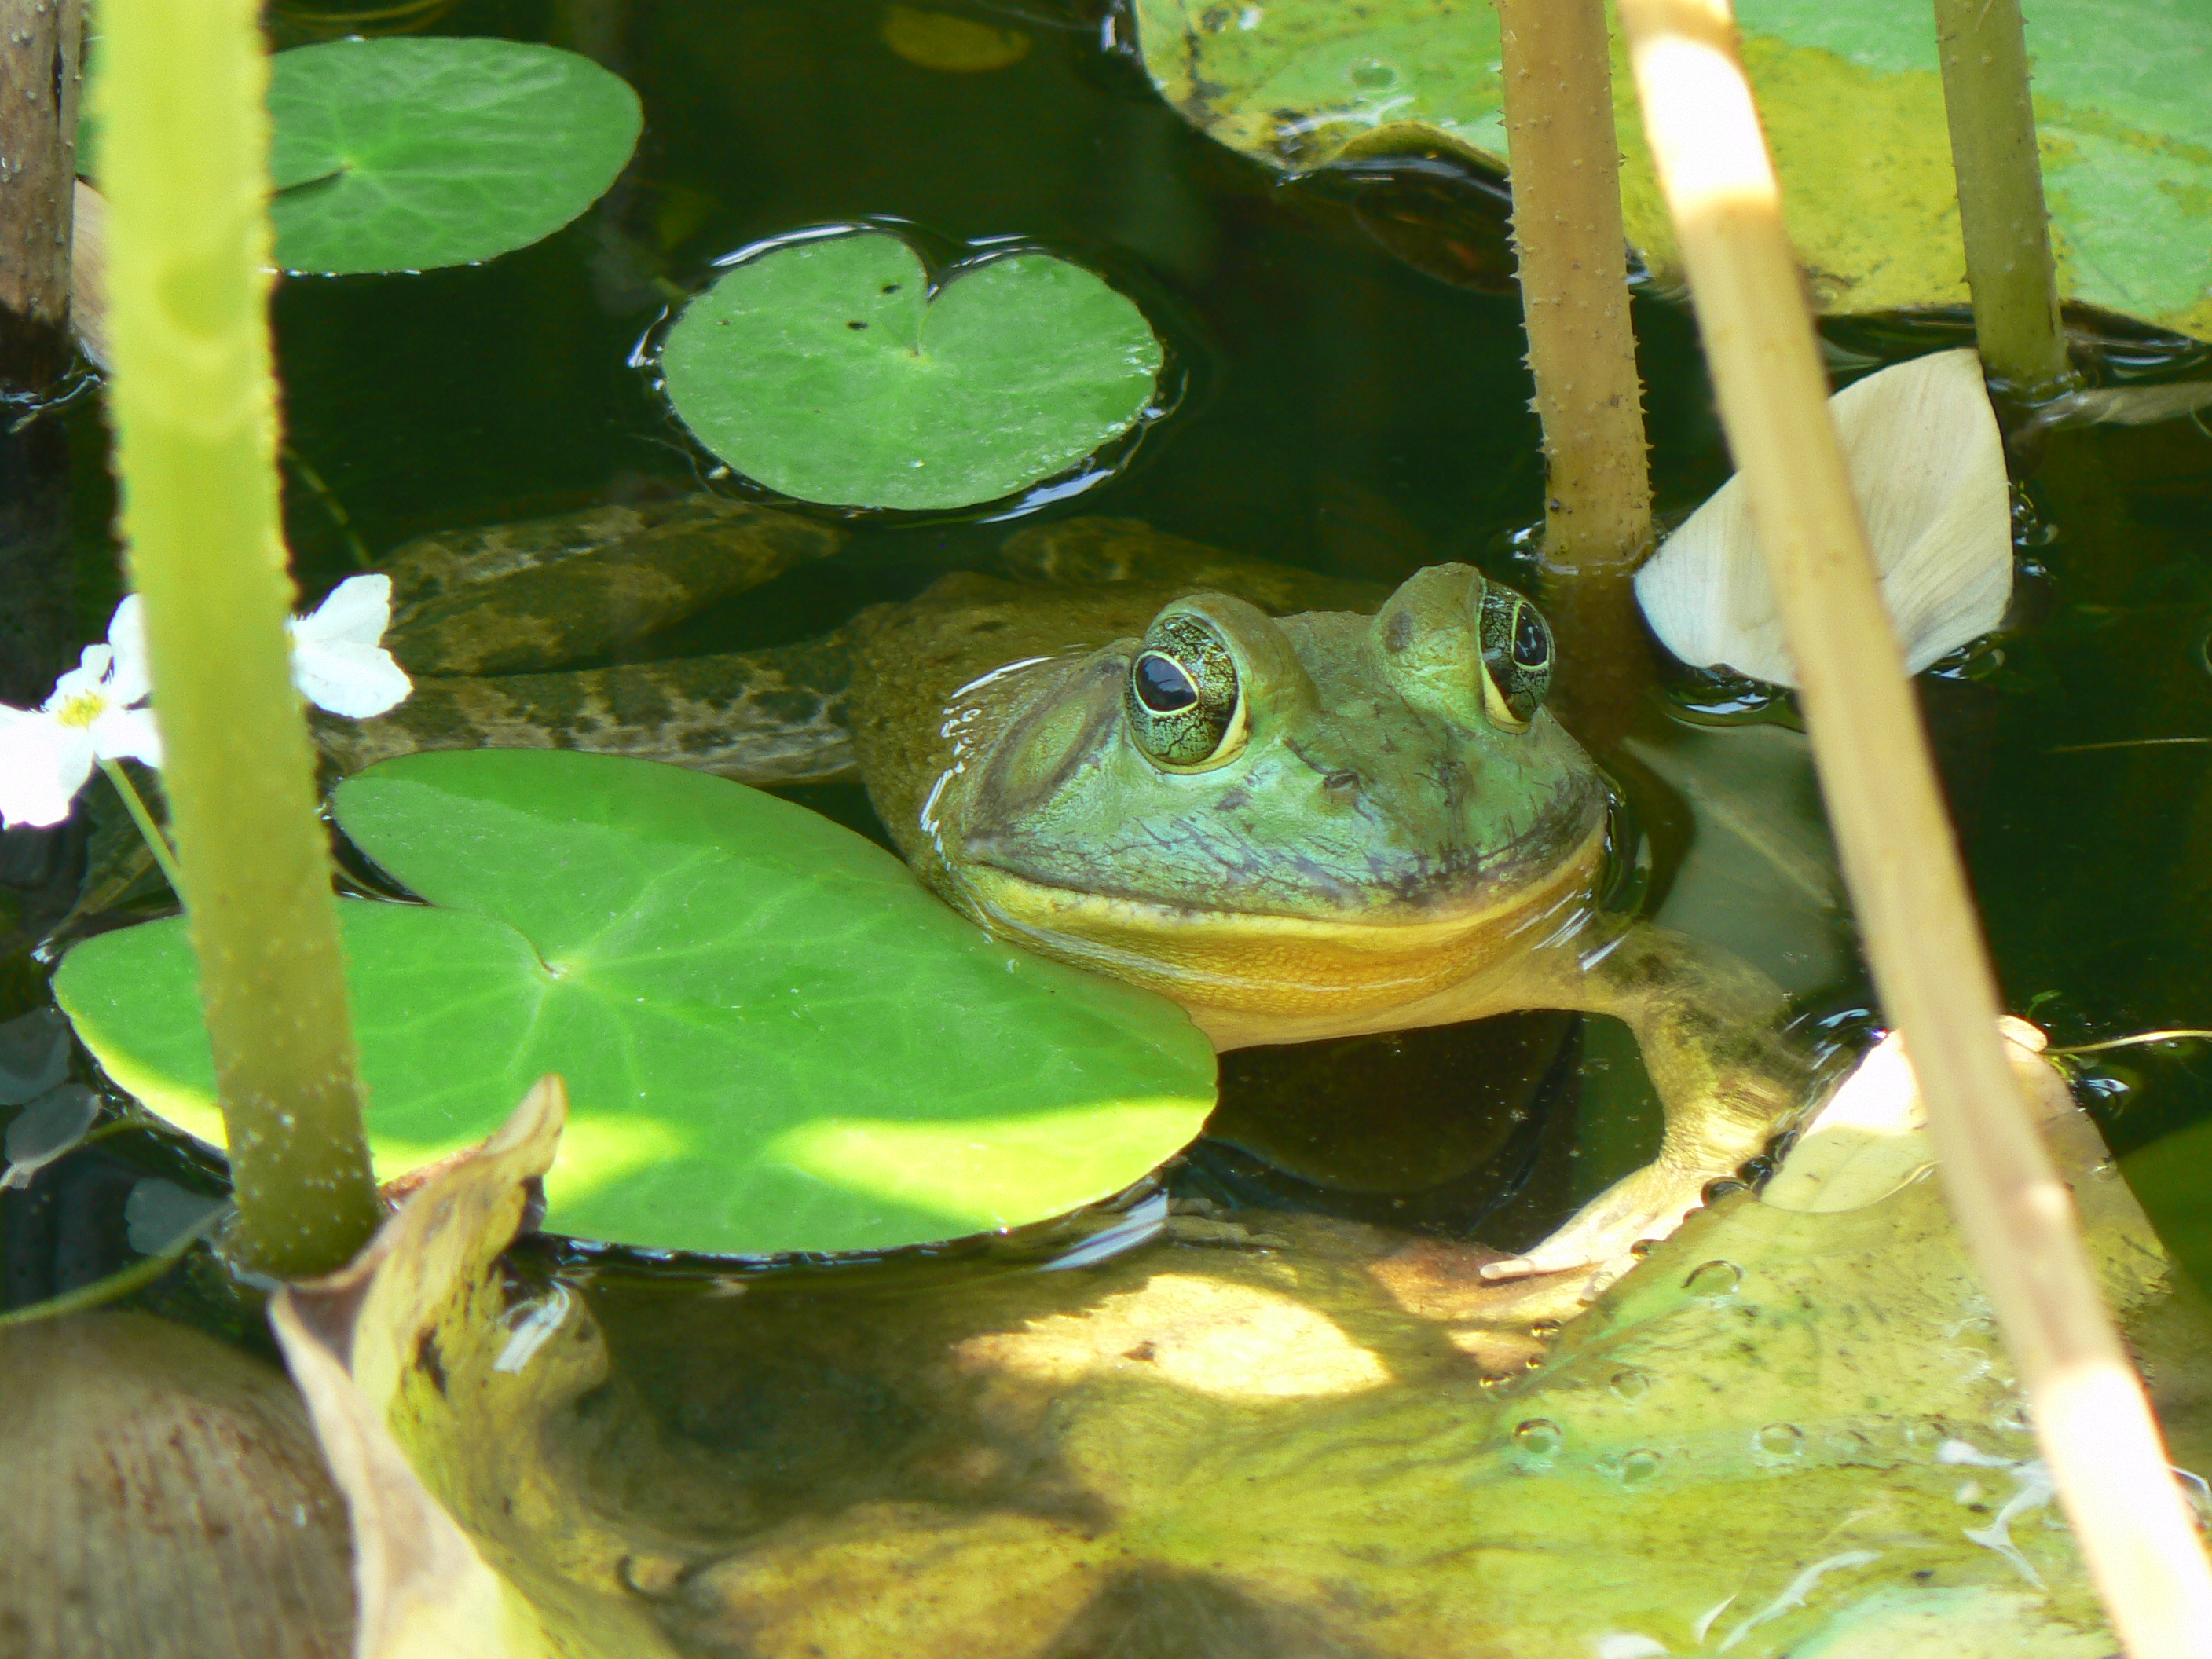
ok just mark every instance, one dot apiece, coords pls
pixel 1186 706
pixel 1517 658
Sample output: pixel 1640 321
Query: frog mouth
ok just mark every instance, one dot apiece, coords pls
pixel 1353 964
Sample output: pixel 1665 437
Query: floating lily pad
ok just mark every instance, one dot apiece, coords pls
pixel 399 154
pixel 773 1039
pixel 829 370
pixel 1852 99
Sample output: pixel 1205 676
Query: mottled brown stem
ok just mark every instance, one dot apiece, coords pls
pixel 38 45
pixel 1582 351
pixel 2092 1418
pixel 2010 268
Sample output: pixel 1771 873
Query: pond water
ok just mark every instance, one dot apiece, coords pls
pixel 1341 406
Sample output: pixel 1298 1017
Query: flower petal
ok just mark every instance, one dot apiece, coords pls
pixel 132 678
pixel 43 764
pixel 127 734
pixel 348 679
pixel 88 676
pixel 355 612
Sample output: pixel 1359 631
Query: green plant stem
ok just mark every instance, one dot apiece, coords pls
pixel 157 843
pixel 185 164
pixel 2010 268
pixel 1572 251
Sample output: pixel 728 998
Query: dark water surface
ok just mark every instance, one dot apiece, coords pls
pixel 1341 409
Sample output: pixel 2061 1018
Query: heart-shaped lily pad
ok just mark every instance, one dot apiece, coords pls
pixel 828 371
pixel 773 1039
pixel 400 154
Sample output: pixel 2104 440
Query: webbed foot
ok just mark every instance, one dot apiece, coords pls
pixel 1601 1241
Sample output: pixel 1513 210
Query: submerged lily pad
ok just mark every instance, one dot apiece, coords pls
pixel 1852 100
pixel 831 372
pixel 775 1039
pixel 399 154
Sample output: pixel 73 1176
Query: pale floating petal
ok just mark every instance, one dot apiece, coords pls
pixel 127 734
pixel 43 764
pixel 348 679
pixel 131 679
pixel 1926 464
pixel 355 612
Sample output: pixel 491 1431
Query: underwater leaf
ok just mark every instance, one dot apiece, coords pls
pixel 1784 1433
pixel 1852 102
pixel 404 154
pixel 830 371
pixel 956 46
pixel 775 1039
pixel 1927 466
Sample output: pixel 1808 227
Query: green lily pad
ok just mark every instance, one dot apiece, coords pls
pixel 404 155
pixel 773 1038
pixel 1853 103
pixel 829 370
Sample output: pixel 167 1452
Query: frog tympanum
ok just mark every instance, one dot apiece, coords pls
pixel 1301 807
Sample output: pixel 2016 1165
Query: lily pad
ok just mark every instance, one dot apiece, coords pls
pixel 399 154
pixel 830 370
pixel 1852 99
pixel 775 1039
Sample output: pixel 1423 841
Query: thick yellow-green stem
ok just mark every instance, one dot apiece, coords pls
pixel 2009 269
pixel 184 166
pixel 1582 351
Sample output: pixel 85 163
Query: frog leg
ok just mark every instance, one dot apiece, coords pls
pixel 520 598
pixel 764 717
pixel 1708 1026
pixel 1082 551
pixel 475 612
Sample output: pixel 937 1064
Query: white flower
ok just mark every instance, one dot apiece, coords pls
pixel 336 662
pixel 93 714
pixel 97 712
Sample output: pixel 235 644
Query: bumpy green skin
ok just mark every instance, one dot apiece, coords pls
pixel 1389 836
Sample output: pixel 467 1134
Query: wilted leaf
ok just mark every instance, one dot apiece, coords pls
pixel 1784 1433
pixel 1853 105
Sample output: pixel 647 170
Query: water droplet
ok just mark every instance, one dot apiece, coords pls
pixel 1539 1436
pixel 1545 1329
pixel 1714 1279
pixel 1779 1440
pixel 1925 1434
pixel 2012 1417
pixel 1632 1385
pixel 1638 1466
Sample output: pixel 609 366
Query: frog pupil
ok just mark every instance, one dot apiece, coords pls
pixel 1532 643
pixel 1162 686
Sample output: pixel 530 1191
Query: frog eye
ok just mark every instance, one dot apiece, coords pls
pixel 1185 708
pixel 1517 658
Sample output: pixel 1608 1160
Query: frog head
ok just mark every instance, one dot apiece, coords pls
pixel 1322 811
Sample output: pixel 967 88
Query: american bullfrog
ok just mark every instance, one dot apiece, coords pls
pixel 1299 806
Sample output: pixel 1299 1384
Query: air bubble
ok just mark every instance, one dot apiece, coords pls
pixel 1632 1385
pixel 1779 1440
pixel 1714 1279
pixel 1539 1436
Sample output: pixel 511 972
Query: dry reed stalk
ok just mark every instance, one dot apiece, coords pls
pixel 2092 1418
pixel 2001 215
pixel 1582 350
